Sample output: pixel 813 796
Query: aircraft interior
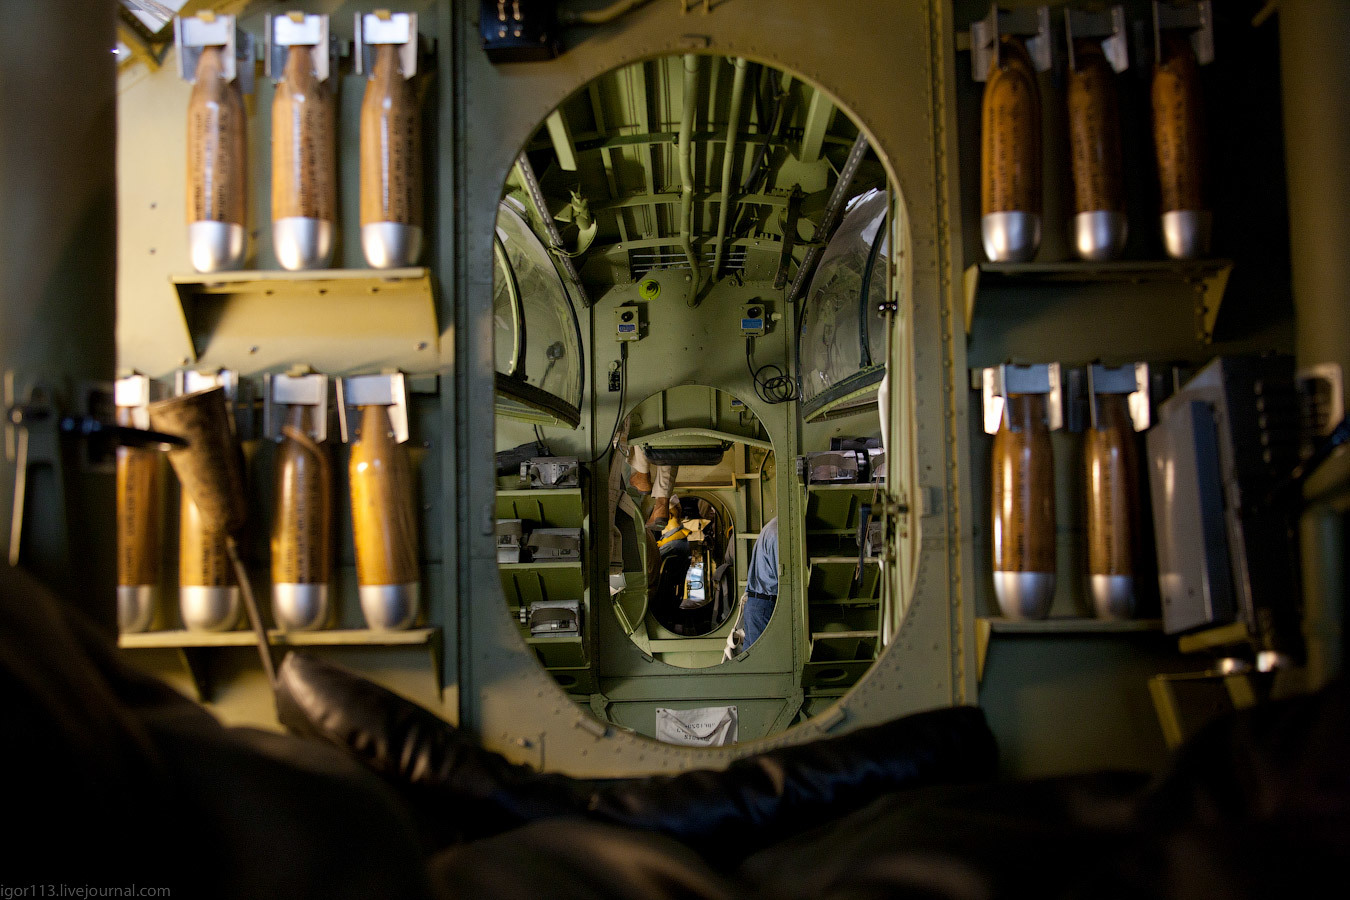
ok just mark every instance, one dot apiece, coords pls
pixel 674 448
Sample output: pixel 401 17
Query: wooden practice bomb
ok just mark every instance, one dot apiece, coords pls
pixel 302 546
pixel 384 524
pixel 304 164
pixel 1010 159
pixel 1112 507
pixel 208 595
pixel 1024 510
pixel 1099 223
pixel 391 165
pixel 139 511
pixel 217 173
pixel 1178 140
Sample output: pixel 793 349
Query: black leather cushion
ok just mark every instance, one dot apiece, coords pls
pixel 1050 838
pixel 111 778
pixel 752 802
pixel 571 859
pixel 74 761
pixel 1256 805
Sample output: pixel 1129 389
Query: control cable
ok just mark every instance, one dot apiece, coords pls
pixel 772 383
pixel 618 414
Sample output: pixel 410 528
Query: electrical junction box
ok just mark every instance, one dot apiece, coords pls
pixel 754 318
pixel 630 324
pixel 519 30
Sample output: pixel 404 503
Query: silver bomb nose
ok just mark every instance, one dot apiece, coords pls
pixel 1011 236
pixel 300 607
pixel 215 246
pixel 390 607
pixel 1024 595
pixel 1186 232
pixel 209 608
pixel 391 245
pixel 303 243
pixel 1099 235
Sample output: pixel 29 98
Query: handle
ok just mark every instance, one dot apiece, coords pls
pixel 384 526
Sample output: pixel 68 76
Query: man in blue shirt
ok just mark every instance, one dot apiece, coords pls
pixel 761 583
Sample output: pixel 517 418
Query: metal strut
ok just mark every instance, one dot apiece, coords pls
pixel 830 218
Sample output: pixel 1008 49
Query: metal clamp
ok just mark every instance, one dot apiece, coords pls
pixel 1197 18
pixel 295 29
pixel 1107 28
pixel 389 390
pixel 192 34
pixel 304 388
pixel 134 393
pixel 384 27
pixel 997 382
pixel 1130 380
pixel 1031 24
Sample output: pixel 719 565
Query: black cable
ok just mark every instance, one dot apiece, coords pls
pixel 618 414
pixel 772 384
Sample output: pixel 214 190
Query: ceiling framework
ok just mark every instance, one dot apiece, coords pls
pixel 758 138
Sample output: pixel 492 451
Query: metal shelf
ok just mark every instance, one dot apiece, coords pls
pixel 868 486
pixel 338 320
pixel 1071 625
pixel 1207 277
pixel 1066 626
pixel 193 647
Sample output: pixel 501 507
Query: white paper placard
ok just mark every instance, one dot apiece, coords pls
pixel 706 726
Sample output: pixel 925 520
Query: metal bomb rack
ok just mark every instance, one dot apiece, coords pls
pixel 1032 25
pixel 192 34
pixel 996 383
pixel 384 27
pixel 303 388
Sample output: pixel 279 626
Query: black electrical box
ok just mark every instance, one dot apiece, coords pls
pixel 519 30
pixel 1227 540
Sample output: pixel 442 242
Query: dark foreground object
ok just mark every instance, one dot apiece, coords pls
pixel 114 779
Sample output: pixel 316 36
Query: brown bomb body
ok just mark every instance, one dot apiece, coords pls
pixel 1112 508
pixel 384 524
pixel 217 169
pixel 1023 498
pixel 302 546
pixel 1095 151
pixel 391 165
pixel 208 595
pixel 1178 140
pixel 139 512
pixel 304 165
pixel 1010 158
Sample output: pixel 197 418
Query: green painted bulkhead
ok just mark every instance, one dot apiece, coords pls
pixel 1059 699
